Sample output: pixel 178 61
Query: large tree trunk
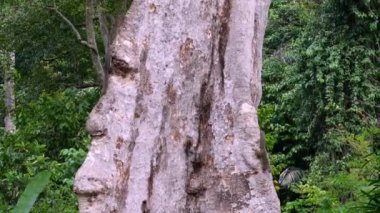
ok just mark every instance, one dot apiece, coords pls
pixel 177 129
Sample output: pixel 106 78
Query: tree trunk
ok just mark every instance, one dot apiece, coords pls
pixel 91 40
pixel 177 129
pixel 9 84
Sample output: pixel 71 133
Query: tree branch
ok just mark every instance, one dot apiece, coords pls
pixel 91 40
pixel 74 29
pixel 82 85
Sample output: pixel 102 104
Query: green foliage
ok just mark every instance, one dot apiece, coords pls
pixel 321 81
pixel 60 193
pixel 48 55
pixel 373 193
pixel 286 22
pixel 30 194
pixel 53 98
pixel 50 136
pixel 341 191
pixel 55 91
pixel 56 119
pixel 313 199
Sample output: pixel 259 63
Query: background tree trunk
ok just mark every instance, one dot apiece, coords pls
pixel 9 84
pixel 91 40
pixel 177 129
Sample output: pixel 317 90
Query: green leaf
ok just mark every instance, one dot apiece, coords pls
pixel 33 189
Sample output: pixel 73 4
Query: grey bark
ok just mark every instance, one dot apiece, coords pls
pixel 177 129
pixel 9 84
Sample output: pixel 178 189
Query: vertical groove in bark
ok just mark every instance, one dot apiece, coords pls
pixel 179 115
pixel 200 156
pixel 223 35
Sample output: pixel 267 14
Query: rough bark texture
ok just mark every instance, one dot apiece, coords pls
pixel 177 129
pixel 9 84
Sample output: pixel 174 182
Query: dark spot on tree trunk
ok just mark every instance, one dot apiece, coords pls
pixel 119 142
pixel 171 93
pixel 188 147
pixel 121 68
pixel 144 207
pixel 186 50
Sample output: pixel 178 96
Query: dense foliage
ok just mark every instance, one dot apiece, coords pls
pixel 321 101
pixel 52 101
pixel 320 109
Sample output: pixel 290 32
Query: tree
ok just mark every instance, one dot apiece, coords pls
pixel 8 60
pixel 177 129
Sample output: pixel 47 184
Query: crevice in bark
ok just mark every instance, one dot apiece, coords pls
pixel 151 178
pixel 204 112
pixel 121 68
pixel 144 207
pixel 213 44
pixel 223 35
pixel 145 84
pixel 156 161
pixel 152 172
pixel 124 170
pixel 98 133
pixel 199 156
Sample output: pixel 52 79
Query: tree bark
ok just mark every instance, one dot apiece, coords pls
pixel 9 98
pixel 177 129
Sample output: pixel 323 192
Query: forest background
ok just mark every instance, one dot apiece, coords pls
pixel 320 109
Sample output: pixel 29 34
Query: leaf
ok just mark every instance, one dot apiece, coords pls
pixel 290 175
pixel 33 189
